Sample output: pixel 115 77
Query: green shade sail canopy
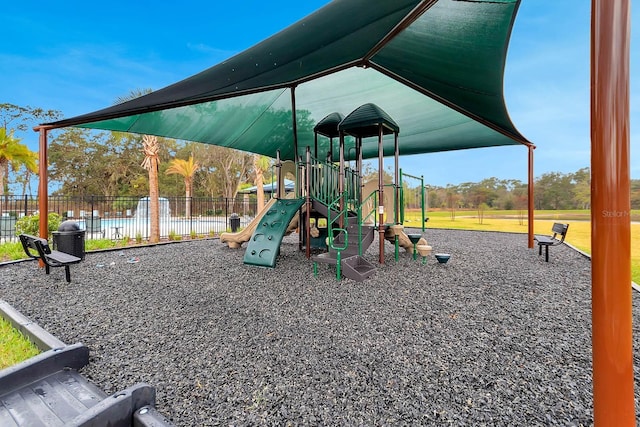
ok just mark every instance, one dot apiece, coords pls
pixel 435 66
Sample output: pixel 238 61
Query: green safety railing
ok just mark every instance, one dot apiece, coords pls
pixel 324 179
pixel 374 212
pixel 392 188
pixel 338 249
pixel 333 232
pixel 422 198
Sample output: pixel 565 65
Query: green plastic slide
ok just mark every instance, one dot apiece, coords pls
pixel 264 246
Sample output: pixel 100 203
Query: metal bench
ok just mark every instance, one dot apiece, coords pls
pixel 559 233
pixel 38 248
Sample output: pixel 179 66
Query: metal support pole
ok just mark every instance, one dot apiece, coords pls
pixel 43 184
pixel 613 394
pixel 422 201
pixel 530 202
pixel 356 159
pixel 307 222
pixel 341 181
pixel 381 191
pixel 341 166
pixel 294 120
pixel 279 179
pixel 397 248
pixel 315 145
pixel 401 201
pixel 358 190
pixel 358 172
pixel 396 152
pixel 359 142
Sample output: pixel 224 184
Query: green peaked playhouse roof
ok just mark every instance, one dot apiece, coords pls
pixel 435 66
pixel 329 125
pixel 365 120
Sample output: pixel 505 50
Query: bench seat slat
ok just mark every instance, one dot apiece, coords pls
pixel 63 258
pixel 545 240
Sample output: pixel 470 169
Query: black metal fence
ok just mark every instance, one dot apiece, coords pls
pixel 127 217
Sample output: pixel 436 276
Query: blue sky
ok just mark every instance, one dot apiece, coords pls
pixel 80 59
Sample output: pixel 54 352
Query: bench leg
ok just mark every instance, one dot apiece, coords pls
pixel 46 269
pixel 539 249
pixel 546 253
pixel 67 273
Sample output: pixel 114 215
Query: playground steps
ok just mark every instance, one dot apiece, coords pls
pixel 357 268
pixel 353 266
pixel 368 235
pixel 368 231
pixel 47 390
pixel 325 258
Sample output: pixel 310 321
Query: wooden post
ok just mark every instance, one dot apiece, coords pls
pixel 613 394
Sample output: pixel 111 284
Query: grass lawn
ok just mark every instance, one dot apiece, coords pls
pixel 14 347
pixel 579 234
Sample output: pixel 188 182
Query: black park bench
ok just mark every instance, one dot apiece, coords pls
pixel 38 248
pixel 559 233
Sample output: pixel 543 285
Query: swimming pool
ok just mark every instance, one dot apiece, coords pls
pixel 132 227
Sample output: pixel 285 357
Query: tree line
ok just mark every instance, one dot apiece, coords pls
pixel 552 191
pixel 85 162
pixel 88 162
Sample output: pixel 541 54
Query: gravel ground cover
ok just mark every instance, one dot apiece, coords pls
pixel 495 337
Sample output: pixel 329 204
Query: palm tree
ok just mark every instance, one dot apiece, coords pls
pixel 13 153
pixel 186 168
pixel 151 161
pixel 261 165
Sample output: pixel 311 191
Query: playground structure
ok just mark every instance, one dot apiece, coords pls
pixel 334 195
